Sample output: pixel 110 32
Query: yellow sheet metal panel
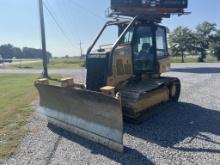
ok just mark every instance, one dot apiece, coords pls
pixel 108 90
pixel 42 81
pixel 122 65
pixel 164 65
pixel 151 99
pixel 67 82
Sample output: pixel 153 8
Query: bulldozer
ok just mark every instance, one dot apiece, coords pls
pixel 124 79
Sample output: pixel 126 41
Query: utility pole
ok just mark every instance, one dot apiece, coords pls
pixel 81 51
pixel 43 39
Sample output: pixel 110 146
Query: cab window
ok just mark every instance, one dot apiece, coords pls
pixel 143 39
pixel 143 49
pixel 128 37
pixel 161 42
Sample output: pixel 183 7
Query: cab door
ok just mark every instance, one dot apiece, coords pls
pixel 162 49
pixel 122 65
pixel 143 46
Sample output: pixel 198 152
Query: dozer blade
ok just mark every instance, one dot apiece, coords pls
pixel 89 114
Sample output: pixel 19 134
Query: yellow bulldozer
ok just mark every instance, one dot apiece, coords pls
pixel 123 79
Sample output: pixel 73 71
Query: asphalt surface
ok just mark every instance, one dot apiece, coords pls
pixel 185 133
pixel 79 74
pixel 17 62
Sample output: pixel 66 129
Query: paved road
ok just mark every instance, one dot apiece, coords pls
pixel 80 74
pixel 186 133
pixel 197 66
pixel 17 62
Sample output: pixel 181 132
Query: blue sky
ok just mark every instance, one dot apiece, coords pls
pixel 80 20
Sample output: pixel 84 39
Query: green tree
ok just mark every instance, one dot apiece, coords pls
pixel 33 53
pixel 17 53
pixel 215 44
pixel 181 40
pixel 203 35
pixel 7 51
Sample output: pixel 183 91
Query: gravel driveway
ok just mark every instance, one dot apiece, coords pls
pixel 186 133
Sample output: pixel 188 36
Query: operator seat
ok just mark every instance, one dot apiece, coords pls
pixel 145 53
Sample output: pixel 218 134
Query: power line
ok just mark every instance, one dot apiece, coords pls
pixel 87 10
pixel 64 19
pixel 58 25
pixel 81 50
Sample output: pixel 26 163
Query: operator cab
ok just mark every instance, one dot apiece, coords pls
pixel 139 47
pixel 149 44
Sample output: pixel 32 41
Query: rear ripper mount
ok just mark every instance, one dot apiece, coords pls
pixel 95 115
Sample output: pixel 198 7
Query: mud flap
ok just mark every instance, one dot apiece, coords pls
pixel 89 114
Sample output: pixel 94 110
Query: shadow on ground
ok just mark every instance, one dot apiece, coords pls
pixel 129 157
pixel 178 122
pixel 24 67
pixel 206 70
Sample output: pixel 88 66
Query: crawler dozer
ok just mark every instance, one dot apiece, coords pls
pixel 123 79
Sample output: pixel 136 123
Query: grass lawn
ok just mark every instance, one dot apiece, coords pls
pixel 16 95
pixel 54 63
